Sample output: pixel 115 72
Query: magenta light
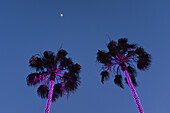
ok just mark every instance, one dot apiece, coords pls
pixel 133 92
pixel 50 94
pixel 118 63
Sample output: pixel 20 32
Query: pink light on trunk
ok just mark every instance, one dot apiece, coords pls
pixel 50 94
pixel 133 92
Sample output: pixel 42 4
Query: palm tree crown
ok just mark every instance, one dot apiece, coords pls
pixel 58 68
pixel 121 56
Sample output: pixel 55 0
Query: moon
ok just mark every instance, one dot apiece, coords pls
pixel 61 14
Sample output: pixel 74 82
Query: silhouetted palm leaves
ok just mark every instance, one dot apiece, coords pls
pixel 57 92
pixel 33 79
pixel 105 76
pixel 121 56
pixel 58 68
pixel 118 80
pixel 43 91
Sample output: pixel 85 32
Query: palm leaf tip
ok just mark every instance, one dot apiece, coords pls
pixel 72 81
pixel 48 54
pixel 75 68
pixel 131 46
pixel 75 78
pixel 122 41
pixel 35 62
pixel 54 97
pixel 112 47
pixel 62 53
pixel 140 51
pixel 33 79
pixel 103 57
pixel 144 59
pixel 71 86
pixel 43 91
pixel 105 76
pixel 118 81
pixel 122 44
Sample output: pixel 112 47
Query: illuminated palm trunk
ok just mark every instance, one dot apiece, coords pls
pixel 50 94
pixel 133 92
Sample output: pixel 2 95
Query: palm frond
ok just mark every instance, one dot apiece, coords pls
pixel 122 41
pixel 131 71
pixel 112 48
pixel 61 53
pixel 66 62
pixel 75 78
pixel 131 46
pixel 143 64
pixel 33 79
pixel 71 85
pixel 49 55
pixel 74 68
pixel 60 68
pixel 122 44
pixel 131 54
pixel 43 91
pixel 105 76
pixel 49 59
pixel 72 81
pixel 71 77
pixel 54 97
pixel 57 92
pixel 133 79
pixel 103 57
pixel 66 76
pixel 121 57
pixel 36 62
pixel 58 89
pixel 144 59
pixel 118 81
pixel 140 51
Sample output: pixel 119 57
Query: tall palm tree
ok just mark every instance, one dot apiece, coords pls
pixel 57 74
pixel 121 58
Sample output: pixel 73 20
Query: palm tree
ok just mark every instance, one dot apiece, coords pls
pixel 56 71
pixel 121 58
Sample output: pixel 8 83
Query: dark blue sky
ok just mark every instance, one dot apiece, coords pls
pixel 28 27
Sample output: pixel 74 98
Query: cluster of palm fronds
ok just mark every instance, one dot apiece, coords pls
pixel 120 57
pixel 58 68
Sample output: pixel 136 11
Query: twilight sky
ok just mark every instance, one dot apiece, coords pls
pixel 28 27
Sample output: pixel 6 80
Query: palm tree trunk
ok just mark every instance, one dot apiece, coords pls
pixel 50 94
pixel 133 92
